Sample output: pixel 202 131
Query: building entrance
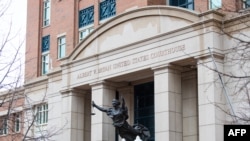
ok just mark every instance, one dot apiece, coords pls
pixel 144 106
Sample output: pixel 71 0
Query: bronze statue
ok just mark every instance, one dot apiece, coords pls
pixel 119 115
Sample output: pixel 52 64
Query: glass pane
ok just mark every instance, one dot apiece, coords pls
pixel 181 2
pixel 190 6
pixel 45 43
pixel 38 118
pixel 63 52
pixel 214 4
pixel 86 16
pixel 46 13
pixel 46 117
pixel 107 9
pixel 62 40
pixel 183 6
pixel 247 3
pixel 46 3
pixel 17 126
pixel 91 29
pixel 61 47
pixel 144 106
pixel 5 126
pixel 84 33
pixel 45 66
pixel 174 2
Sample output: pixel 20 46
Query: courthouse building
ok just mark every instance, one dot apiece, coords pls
pixel 153 53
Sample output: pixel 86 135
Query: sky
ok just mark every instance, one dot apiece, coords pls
pixel 15 14
pixel 13 20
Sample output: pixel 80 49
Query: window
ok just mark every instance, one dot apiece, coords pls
pixel 10 124
pixel 144 106
pixel 246 3
pixel 4 126
pixel 86 20
pixel 86 16
pixel 42 114
pixel 41 121
pixel 46 12
pixel 17 120
pixel 61 47
pixel 45 54
pixel 189 4
pixel 214 4
pixel 84 32
pixel 45 64
pixel 45 43
pixel 107 9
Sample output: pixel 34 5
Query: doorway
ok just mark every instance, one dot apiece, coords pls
pixel 144 106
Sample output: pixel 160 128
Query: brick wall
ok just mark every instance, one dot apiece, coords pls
pixel 201 5
pixel 64 21
pixel 12 135
pixel 123 6
pixel 231 5
pixel 157 2
pixel 32 39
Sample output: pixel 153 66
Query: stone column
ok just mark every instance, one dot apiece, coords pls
pixel 73 115
pixel 168 112
pixel 210 95
pixel 190 105
pixel 101 125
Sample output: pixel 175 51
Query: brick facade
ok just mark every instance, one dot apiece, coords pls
pixel 33 39
pixel 64 21
pixel 15 108
pixel 201 5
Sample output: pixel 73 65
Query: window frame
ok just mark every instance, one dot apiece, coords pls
pixel 245 5
pixel 42 111
pixel 5 129
pixel 46 12
pixel 89 29
pixel 45 59
pixel 45 63
pixel 61 46
pixel 111 12
pixel 17 117
pixel 186 5
pixel 215 6
pixel 86 17
pixel 45 43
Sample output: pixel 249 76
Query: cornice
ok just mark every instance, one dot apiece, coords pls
pixel 36 81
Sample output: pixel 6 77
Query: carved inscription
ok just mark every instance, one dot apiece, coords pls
pixel 102 69
pixel 167 51
pixel 140 59
pixel 84 74
pixel 129 62
pixel 121 64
